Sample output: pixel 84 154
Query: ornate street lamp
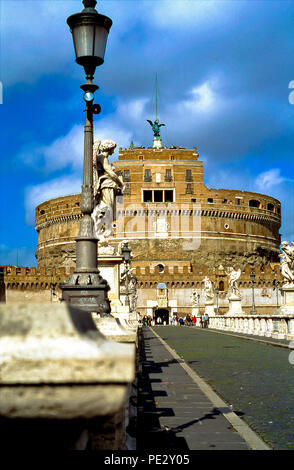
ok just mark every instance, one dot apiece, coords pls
pixel 126 255
pixel 86 288
pixel 276 284
pixel 252 277
pixel 217 293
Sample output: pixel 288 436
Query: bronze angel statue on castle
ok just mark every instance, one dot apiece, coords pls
pixel 155 127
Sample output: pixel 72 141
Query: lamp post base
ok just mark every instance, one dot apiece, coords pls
pixel 90 298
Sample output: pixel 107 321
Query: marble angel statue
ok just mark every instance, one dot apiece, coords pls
pixel 107 184
pixel 287 262
pixel 194 298
pixel 233 285
pixel 208 290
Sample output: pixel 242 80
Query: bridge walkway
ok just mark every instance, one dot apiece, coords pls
pixel 178 411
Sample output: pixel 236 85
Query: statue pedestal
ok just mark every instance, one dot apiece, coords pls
pixel 288 307
pixel 195 311
pixel 209 309
pixel 157 142
pixel 235 307
pixel 109 267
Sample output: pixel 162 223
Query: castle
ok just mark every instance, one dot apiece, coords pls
pixel 179 231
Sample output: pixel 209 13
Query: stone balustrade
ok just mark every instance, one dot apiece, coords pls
pixel 63 385
pixel 271 326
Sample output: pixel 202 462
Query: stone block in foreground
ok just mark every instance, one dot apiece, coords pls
pixel 55 364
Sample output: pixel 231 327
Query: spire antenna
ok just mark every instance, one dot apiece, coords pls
pixel 156 124
pixel 156 91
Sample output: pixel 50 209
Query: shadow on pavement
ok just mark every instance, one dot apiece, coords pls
pixel 150 434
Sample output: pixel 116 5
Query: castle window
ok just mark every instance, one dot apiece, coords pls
pixel 161 270
pixel 210 200
pixel 188 175
pixel 254 203
pixel 126 175
pixel 172 157
pixel 193 200
pixel 147 175
pixel 168 196
pixel 279 210
pixel 147 196
pixel 168 176
pixel 221 286
pixel 189 188
pixel 238 201
pixel 225 201
pixel 42 212
pixel 140 157
pixel 270 207
pixel 158 196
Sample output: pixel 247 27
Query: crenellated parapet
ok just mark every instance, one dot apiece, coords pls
pixel 32 278
pixel 176 277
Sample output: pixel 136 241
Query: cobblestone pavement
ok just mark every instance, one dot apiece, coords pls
pixel 256 378
pixel 174 414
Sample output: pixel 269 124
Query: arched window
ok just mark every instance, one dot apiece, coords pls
pixel 270 207
pixel 161 268
pixel 254 203
pixel 221 286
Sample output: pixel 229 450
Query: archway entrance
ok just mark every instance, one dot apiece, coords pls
pixel 163 314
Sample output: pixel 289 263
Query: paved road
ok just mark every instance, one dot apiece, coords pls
pixel 177 411
pixel 256 378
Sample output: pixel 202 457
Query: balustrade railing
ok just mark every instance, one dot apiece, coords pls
pixel 271 326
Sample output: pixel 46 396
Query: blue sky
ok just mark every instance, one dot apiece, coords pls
pixel 224 69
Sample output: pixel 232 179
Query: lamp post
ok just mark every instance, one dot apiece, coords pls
pixel 276 284
pixel 198 301
pixel 86 288
pixel 126 255
pixel 217 292
pixel 252 277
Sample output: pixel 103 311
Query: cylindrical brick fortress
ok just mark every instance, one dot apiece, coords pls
pixel 170 216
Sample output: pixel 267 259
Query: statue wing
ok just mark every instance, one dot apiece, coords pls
pixel 150 122
pixel 161 125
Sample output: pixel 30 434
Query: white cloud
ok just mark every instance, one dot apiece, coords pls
pixel 268 179
pixel 202 99
pixel 61 186
pixel 67 151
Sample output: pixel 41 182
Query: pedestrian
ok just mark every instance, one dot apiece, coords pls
pixel 181 321
pixel 202 321
pixel 194 320
pixel 159 321
pixel 206 320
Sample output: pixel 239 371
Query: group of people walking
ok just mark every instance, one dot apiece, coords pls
pixel 191 320
pixel 188 320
